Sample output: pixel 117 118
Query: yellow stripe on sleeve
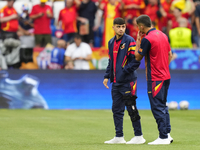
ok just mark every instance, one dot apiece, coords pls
pixel 124 63
pixel 132 48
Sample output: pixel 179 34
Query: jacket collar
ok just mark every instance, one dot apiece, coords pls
pixel 123 41
pixel 124 38
pixel 119 38
pixel 151 30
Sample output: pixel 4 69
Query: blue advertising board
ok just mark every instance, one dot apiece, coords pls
pixel 183 59
pixel 64 89
pixel 186 59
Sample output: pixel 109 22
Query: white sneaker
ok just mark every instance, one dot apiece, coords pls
pixel 170 138
pixel 137 140
pixel 160 141
pixel 116 140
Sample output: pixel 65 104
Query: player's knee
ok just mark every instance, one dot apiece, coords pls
pixel 134 115
pixel 130 101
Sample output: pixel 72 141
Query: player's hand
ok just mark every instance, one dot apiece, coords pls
pixel 139 36
pixel 105 82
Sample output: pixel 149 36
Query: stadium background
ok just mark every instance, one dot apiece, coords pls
pixel 84 89
pixel 70 126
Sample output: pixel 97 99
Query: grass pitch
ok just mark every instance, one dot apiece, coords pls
pixel 88 129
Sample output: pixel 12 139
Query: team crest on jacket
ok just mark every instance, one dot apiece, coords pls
pixel 122 46
pixel 140 50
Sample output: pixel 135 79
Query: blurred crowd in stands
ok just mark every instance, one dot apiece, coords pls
pixel 39 22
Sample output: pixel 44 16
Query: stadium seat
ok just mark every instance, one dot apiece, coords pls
pixel 58 6
pixel 2 4
pixel 35 2
pixel 27 1
pixel 18 5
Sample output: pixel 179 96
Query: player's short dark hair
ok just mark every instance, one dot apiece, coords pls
pixel 144 19
pixel 119 21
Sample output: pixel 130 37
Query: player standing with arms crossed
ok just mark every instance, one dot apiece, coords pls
pixel 156 49
pixel 121 71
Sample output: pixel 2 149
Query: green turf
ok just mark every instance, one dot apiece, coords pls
pixel 88 129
